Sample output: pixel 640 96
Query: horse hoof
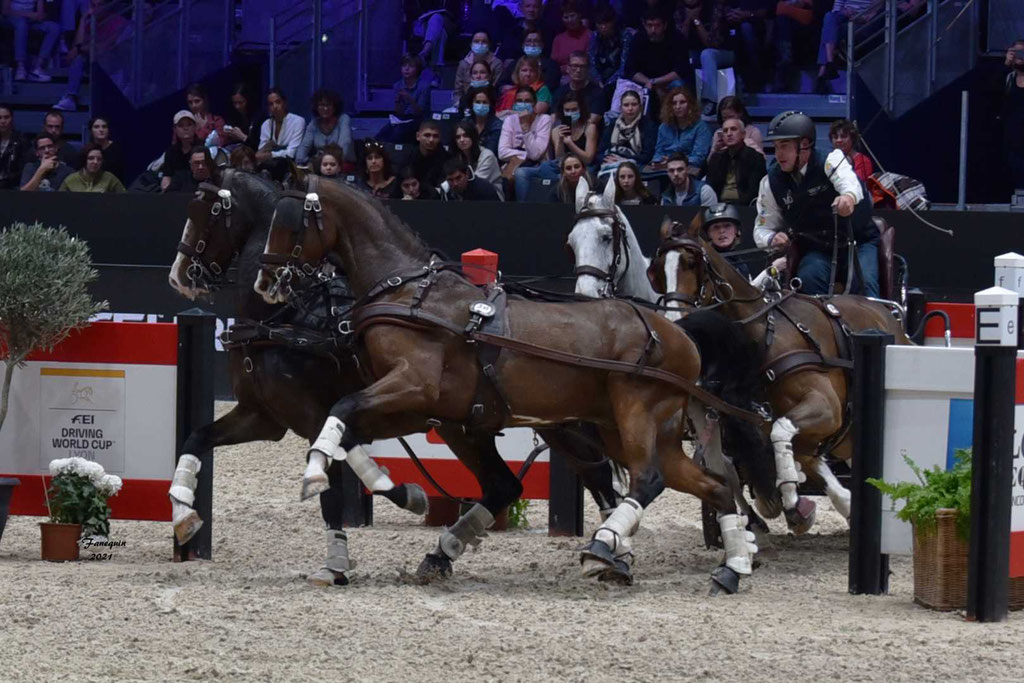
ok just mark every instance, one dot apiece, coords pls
pixel 769 509
pixel 592 568
pixel 724 579
pixel 187 527
pixel 327 577
pixel 757 525
pixel 595 558
pixel 801 518
pixel 313 485
pixel 619 574
pixel 416 499
pixel 434 567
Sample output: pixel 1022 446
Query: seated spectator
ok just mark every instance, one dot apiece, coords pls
pixel 482 162
pixel 575 37
pixel 722 229
pixel 709 29
pixel 53 123
pixel 113 159
pixel 436 20
pixel 280 135
pixel 633 11
pixel 629 188
pixel 330 126
pixel 747 20
pixel 572 170
pixel 684 189
pixel 92 177
pixel 1012 113
pixel 547 68
pixel 796 25
pixel 412 101
pixel 580 84
pixel 526 74
pixel 682 131
pixel 328 163
pixel 844 137
pixel 206 123
pixel 735 172
pixel 655 61
pixel 12 150
pixel 26 16
pixel 82 40
pixel 47 174
pixel 833 27
pixel 524 139
pixel 732 108
pixel 462 187
pixel 200 170
pixel 176 156
pixel 479 77
pixel 375 175
pixel 244 121
pixel 414 188
pixel 573 133
pixel 513 22
pixel 609 49
pixel 427 161
pixel 480 52
pixel 483 117
pixel 243 159
pixel 630 137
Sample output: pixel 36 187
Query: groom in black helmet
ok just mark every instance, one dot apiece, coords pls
pixel 796 202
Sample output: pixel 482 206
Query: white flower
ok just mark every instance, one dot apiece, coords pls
pixel 109 485
pixel 60 465
pixel 91 470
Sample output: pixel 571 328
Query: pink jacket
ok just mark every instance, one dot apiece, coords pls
pixel 531 145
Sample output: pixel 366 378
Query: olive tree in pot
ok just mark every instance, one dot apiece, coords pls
pixel 44 277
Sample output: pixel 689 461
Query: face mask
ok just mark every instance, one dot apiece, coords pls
pixel 532 50
pixel 574 116
pixel 481 109
pixel 483 83
pixel 522 106
pixel 480 48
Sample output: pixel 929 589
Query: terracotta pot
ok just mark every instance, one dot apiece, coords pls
pixel 60 541
pixel 7 485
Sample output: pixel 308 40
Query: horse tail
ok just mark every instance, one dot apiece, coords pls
pixel 730 368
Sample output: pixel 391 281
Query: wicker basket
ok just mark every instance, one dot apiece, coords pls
pixel 940 567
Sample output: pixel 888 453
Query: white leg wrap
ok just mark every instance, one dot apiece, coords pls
pixel 183 484
pixel 470 529
pixel 620 525
pixel 787 470
pixel 337 552
pixel 739 543
pixel 837 493
pixel 372 476
pixel 330 439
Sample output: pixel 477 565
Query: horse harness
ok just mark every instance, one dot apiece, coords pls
pixel 618 242
pixel 199 268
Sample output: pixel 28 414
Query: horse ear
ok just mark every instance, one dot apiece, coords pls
pixel 656 275
pixel 696 225
pixel 667 224
pixel 582 190
pixel 609 193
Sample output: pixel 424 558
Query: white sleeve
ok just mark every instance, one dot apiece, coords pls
pixel 708 196
pixel 769 218
pixel 265 132
pixel 291 135
pixel 839 169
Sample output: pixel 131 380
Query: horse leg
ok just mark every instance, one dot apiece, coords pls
pixel 587 459
pixel 836 492
pixel 241 425
pixel 500 488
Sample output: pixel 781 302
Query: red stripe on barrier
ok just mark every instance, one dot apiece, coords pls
pixel 961 319
pixel 458 481
pixel 110 342
pixel 1016 554
pixel 1018 394
pixel 141 499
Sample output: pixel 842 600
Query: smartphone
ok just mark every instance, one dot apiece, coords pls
pixel 229 127
pixel 566 121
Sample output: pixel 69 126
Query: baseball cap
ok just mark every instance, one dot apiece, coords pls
pixel 183 114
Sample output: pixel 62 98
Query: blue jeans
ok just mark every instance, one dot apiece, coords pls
pixel 524 174
pixel 710 62
pixel 830 30
pixel 51 32
pixel 815 268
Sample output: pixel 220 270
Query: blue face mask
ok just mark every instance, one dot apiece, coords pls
pixel 479 84
pixel 481 109
pixel 532 50
pixel 574 116
pixel 480 48
pixel 522 106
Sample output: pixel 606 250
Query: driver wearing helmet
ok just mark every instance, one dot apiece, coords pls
pixel 796 201
pixel 722 229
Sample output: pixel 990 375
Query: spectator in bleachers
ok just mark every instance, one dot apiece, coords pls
pixel 709 29
pixel 575 38
pixel 524 139
pixel 655 61
pixel 428 158
pixel 483 163
pixel 833 27
pixel 200 170
pixel 573 132
pixel 92 177
pixel 480 76
pixel 748 21
pixel 242 158
pixel 1012 113
pixel 330 126
pixel 629 188
pixel 844 137
pixel 12 150
pixel 412 187
pixel 526 75
pixel 533 47
pixel 176 156
pixel 113 158
pixel 47 174
pixel 329 162
pixel 796 24
pixel 431 26
pixel 244 121
pixel 735 171
pixel 682 131
pixel 514 22
pixel 375 175
pixel 609 49
pixel 572 170
pixel 206 123
pixel 484 118
pixel 81 41
pixel 733 108
pixel 462 186
pixel 53 123
pixel 631 137
pixel 684 189
pixel 633 11
pixel 580 84
pixel 412 101
pixel 280 134
pixel 480 51
pixel 27 16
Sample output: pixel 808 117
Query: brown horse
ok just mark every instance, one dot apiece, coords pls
pixel 417 327
pixel 805 373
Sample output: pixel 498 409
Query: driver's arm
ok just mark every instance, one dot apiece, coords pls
pixel 769 218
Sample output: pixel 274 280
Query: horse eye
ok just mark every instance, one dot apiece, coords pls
pixel 606 238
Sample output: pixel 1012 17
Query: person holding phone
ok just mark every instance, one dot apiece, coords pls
pixel 572 133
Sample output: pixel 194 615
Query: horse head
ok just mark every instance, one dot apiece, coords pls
pixel 598 241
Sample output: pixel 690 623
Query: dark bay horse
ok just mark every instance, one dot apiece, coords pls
pixel 417 325
pixel 805 375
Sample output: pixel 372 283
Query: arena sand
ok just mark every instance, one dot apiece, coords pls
pixel 516 610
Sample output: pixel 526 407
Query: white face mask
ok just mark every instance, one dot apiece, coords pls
pixel 480 48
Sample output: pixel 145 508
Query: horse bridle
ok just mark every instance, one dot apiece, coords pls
pixel 611 276
pixel 201 271
pixel 713 287
pixel 287 267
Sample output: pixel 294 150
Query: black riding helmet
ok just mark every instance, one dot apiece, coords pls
pixel 792 125
pixel 716 213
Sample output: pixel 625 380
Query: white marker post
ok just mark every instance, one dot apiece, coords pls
pixel 1010 275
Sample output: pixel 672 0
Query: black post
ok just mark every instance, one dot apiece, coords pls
pixel 915 313
pixel 196 330
pixel 565 504
pixel 347 498
pixel 869 568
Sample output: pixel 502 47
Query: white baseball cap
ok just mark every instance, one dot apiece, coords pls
pixel 184 114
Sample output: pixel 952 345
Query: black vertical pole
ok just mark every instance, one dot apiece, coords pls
pixel 868 568
pixel 196 330
pixel 347 501
pixel 565 504
pixel 915 313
